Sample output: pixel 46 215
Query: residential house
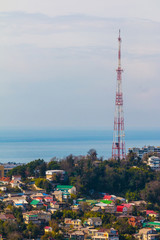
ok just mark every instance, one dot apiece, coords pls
pixel 7 217
pixel 101 205
pixel 74 222
pixel 77 235
pixel 155 224
pixel 109 197
pixel 152 214
pixel 54 206
pixel 36 217
pixel 76 207
pixel 16 199
pixel 66 190
pixel 110 208
pixel 147 234
pixel 31 217
pixel 140 205
pixel 48 229
pixel 3 188
pixel 92 232
pixel 14 183
pixel 16 178
pixel 106 234
pixel 134 222
pixel 154 163
pixel 121 209
pixel 20 203
pixel 129 207
pixel 68 221
pixel 93 221
pixel 48 199
pixel 5 180
pixel 140 219
pixel 96 209
pixel 44 216
pixel 36 204
pixel 57 173
pixel 38 194
pixel 40 199
pixel 58 196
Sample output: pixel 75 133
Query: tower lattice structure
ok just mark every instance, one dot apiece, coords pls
pixel 118 146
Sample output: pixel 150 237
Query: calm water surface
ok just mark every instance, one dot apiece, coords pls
pixel 24 146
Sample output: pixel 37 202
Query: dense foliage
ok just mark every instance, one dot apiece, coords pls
pixel 130 178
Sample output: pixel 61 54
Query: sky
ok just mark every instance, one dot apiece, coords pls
pixel 58 61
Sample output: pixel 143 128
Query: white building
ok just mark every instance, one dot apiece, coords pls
pixel 51 173
pixel 154 163
pixel 93 221
pixel 146 149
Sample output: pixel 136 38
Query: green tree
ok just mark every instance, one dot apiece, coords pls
pixel 15 236
pixel 43 183
pixel 53 164
pixel 33 230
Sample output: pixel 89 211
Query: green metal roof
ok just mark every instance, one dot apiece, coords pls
pixel 106 201
pixel 81 200
pixel 34 202
pixel 157 224
pixel 63 187
pixel 157 229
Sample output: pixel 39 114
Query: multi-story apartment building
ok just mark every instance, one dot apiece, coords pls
pixel 154 163
pixel 146 149
pixel 6 167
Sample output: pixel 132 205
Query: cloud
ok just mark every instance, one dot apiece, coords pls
pixel 60 71
pixel 145 9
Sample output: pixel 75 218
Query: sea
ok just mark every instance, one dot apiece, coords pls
pixel 23 146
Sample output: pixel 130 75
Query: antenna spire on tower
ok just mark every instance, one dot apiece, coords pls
pixel 118 146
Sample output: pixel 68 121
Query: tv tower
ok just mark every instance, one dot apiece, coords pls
pixel 118 146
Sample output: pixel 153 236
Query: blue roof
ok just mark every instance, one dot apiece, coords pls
pixel 44 194
pixel 18 194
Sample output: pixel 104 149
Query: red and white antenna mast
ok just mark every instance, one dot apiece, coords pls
pixel 118 146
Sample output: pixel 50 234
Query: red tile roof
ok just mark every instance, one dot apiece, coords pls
pixel 150 212
pixel 5 179
pixel 39 198
pixel 108 197
pixel 47 227
pixel 120 208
